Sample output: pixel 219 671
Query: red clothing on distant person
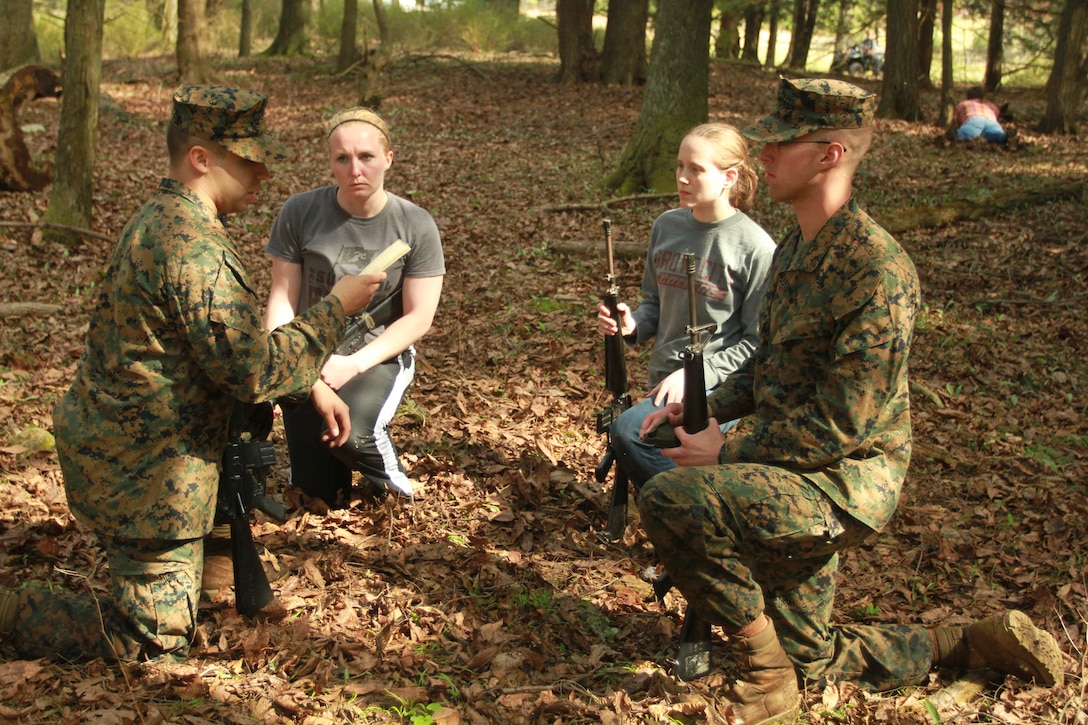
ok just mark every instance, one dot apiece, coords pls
pixel 973 107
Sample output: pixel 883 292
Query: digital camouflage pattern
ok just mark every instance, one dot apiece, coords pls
pixel 232 117
pixel 827 388
pixel 175 337
pixel 810 104
pixel 152 611
pixel 822 464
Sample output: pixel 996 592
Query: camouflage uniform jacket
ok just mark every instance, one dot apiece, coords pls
pixel 176 335
pixel 827 387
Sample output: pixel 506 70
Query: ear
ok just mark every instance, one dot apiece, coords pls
pixel 388 160
pixel 201 158
pixel 833 154
pixel 731 176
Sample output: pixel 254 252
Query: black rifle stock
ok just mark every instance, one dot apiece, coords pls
pixel 696 417
pixel 359 325
pixel 246 461
pixel 615 377
pixel 693 652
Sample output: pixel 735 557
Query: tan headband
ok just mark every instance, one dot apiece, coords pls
pixel 360 114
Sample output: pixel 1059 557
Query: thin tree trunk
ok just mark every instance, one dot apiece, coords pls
pixel 995 54
pixel 899 89
pixel 927 23
pixel 245 34
pixel 1065 88
pixel 578 59
pixel 192 68
pixel 947 102
pixel 623 58
pixel 18 39
pixel 70 201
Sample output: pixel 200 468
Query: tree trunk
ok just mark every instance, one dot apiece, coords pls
pixel 578 60
pixel 727 42
pixel 18 39
pixel 293 36
pixel 70 201
pixel 245 34
pixel 948 104
pixel 927 21
pixel 675 98
pixel 844 30
pixel 349 25
pixel 1065 88
pixel 623 59
pixel 772 34
pixel 753 23
pixel 192 68
pixel 899 89
pixel 995 54
pixel 804 24
pixel 385 30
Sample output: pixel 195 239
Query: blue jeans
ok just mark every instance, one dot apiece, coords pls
pixel 641 460
pixel 976 126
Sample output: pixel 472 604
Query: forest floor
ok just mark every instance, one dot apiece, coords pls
pixel 490 600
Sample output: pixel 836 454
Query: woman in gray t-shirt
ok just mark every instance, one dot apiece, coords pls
pixel 318 237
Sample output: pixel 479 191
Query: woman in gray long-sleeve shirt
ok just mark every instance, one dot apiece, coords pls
pixel 716 185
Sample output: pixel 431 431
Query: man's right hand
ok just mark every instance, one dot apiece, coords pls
pixel 356 291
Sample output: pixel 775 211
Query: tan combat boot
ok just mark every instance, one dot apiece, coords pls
pixel 1012 645
pixel 767 689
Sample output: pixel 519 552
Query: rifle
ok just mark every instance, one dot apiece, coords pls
pixel 693 653
pixel 615 377
pixel 392 307
pixel 246 461
pixel 696 417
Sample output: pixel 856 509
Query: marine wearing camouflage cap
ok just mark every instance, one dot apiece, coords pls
pixel 811 104
pixel 231 117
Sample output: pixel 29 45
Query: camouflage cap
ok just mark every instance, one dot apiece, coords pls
pixel 232 117
pixel 810 104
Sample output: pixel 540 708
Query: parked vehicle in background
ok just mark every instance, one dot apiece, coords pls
pixel 859 59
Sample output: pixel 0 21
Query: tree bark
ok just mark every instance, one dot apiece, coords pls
pixel 995 54
pixel 948 104
pixel 753 23
pixel 245 33
pixel 804 24
pixel 927 22
pixel 1065 88
pixel 293 36
pixel 349 23
pixel 578 59
pixel 192 67
pixel 70 202
pixel 675 98
pixel 899 89
pixel 623 59
pixel 727 42
pixel 18 39
pixel 772 34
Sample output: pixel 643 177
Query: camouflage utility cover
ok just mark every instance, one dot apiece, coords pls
pixel 176 335
pixel 811 104
pixel 232 117
pixel 827 387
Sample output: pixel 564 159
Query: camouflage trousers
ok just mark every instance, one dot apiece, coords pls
pixel 152 612
pixel 742 539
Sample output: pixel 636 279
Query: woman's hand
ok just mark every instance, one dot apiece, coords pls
pixel 608 326
pixel 338 370
pixel 669 390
